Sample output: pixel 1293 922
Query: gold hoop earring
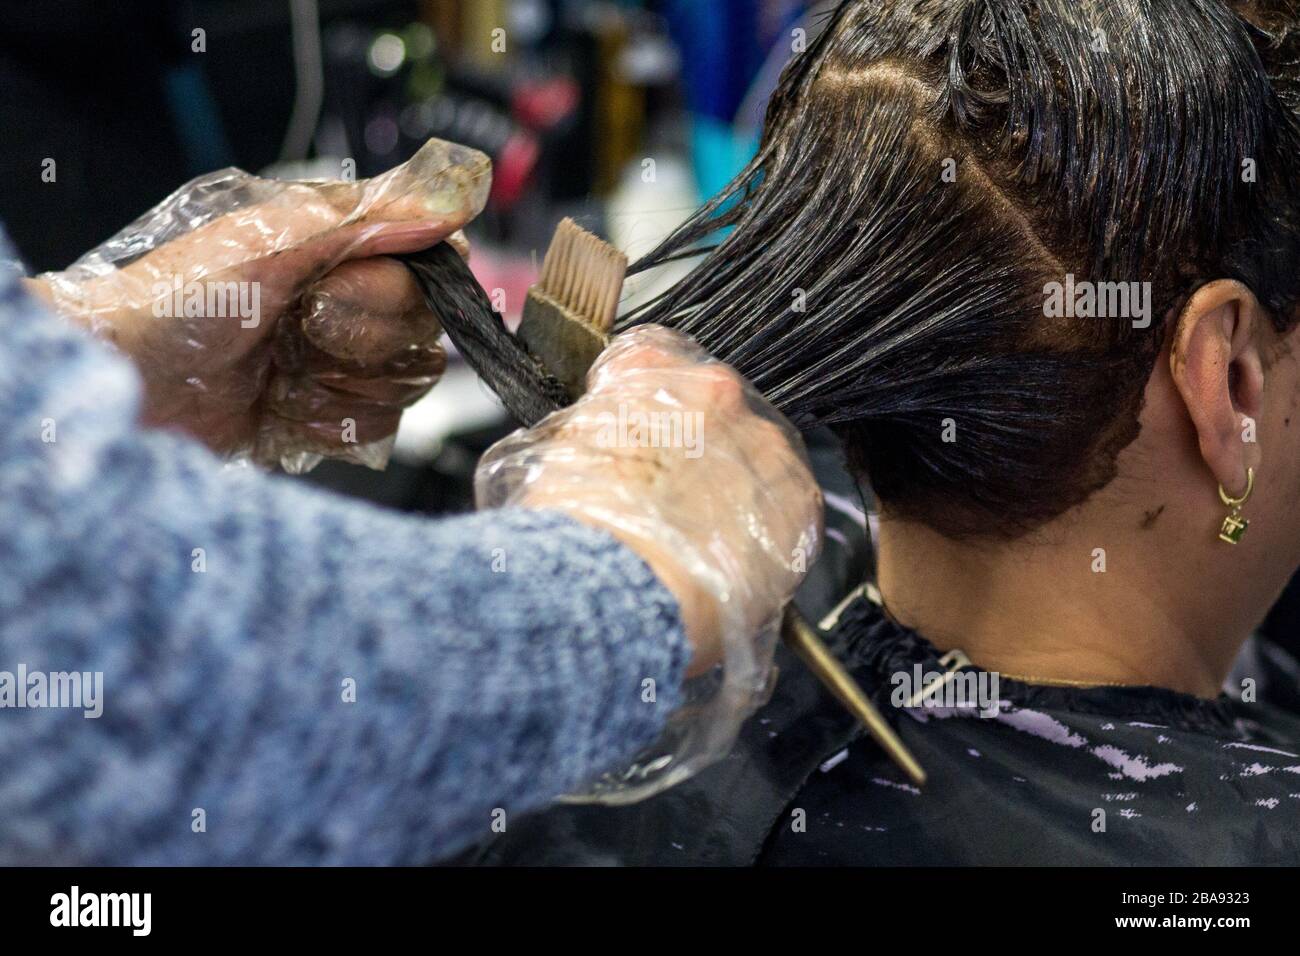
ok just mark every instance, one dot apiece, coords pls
pixel 1234 525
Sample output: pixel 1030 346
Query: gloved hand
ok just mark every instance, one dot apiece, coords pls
pixel 261 314
pixel 681 459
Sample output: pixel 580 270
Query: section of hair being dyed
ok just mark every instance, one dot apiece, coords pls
pixel 1105 141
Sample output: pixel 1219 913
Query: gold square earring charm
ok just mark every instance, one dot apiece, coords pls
pixel 1234 525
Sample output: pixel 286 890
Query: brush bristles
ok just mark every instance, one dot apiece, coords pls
pixel 584 274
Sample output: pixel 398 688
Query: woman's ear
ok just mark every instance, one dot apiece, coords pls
pixel 1218 368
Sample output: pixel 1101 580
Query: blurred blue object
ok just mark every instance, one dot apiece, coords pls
pixel 724 46
pixel 719 152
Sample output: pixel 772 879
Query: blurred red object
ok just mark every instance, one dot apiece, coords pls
pixel 545 104
pixel 513 168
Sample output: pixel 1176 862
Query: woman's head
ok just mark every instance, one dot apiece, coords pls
pixel 975 225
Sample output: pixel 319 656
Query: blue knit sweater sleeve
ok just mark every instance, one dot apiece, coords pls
pixel 287 677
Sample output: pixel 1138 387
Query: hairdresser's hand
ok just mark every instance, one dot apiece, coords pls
pixel 262 314
pixel 680 458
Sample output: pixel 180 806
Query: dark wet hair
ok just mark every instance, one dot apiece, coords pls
pixel 1109 140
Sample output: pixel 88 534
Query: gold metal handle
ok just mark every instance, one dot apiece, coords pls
pixel 799 636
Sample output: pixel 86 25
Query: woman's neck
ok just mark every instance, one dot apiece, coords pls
pixel 1075 605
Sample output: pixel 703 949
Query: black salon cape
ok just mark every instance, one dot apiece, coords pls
pixel 1060 776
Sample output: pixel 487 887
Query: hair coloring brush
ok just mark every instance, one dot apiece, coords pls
pixel 568 314
pixel 565 326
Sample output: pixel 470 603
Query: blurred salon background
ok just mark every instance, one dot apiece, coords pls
pixel 624 114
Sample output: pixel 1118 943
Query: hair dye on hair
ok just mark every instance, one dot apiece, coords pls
pixel 928 169
pixel 861 288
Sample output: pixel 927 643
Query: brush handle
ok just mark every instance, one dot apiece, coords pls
pixel 799 636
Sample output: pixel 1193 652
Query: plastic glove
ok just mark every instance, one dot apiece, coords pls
pixel 680 458
pixel 258 315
